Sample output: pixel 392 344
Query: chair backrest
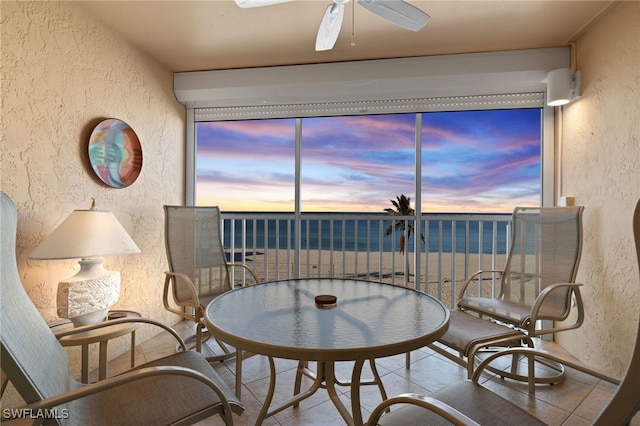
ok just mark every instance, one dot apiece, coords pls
pixel 30 355
pixel 545 249
pixel 626 401
pixel 194 248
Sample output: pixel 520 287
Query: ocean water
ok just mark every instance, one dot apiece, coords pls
pixel 366 235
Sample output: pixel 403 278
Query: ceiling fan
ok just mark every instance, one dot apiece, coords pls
pixel 397 12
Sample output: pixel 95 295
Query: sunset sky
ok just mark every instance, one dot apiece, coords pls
pixel 473 161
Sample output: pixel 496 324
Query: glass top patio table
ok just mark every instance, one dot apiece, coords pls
pixel 280 319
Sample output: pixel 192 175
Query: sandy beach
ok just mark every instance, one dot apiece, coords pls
pixel 444 272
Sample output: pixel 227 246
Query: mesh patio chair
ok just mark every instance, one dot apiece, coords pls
pixel 536 290
pixel 199 271
pixel 37 365
pixel 469 403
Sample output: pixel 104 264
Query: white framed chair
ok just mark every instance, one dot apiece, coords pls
pixel 537 285
pixel 537 291
pixel 199 271
pixel 37 365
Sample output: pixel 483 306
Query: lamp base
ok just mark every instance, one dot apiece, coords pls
pixel 86 297
pixel 90 318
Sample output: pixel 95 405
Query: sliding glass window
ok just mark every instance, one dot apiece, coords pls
pixel 356 163
pixel 474 161
pixel 246 165
pixel 485 161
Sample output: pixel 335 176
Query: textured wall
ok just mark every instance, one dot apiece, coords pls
pixel 62 72
pixel 601 168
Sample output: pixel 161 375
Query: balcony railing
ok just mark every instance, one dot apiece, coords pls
pixel 347 245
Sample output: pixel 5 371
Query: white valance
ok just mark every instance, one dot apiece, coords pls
pixel 463 81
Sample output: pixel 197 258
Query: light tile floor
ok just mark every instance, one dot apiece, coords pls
pixel 576 401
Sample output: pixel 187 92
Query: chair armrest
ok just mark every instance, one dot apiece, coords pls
pixel 113 322
pixel 123 379
pixel 438 407
pixel 538 304
pixel 169 277
pixel 248 269
pixel 473 276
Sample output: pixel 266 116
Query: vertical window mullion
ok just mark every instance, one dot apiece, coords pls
pixel 298 207
pixel 417 273
pixel 190 158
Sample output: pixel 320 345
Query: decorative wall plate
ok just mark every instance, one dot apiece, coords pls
pixel 115 153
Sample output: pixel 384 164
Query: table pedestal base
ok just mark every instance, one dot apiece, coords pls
pixel 325 377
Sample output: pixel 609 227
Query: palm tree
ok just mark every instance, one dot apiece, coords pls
pixel 402 208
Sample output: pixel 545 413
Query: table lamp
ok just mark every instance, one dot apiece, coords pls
pixel 89 235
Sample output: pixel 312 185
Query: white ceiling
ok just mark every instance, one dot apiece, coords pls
pixel 208 35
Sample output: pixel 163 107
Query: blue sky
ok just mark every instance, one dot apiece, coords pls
pixel 473 161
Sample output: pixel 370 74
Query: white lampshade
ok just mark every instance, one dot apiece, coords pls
pixel 89 235
pixel 86 233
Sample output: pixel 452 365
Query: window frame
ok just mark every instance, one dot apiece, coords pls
pixel 547 157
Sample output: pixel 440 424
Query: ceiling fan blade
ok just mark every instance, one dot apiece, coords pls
pixel 397 12
pixel 257 3
pixel 330 27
